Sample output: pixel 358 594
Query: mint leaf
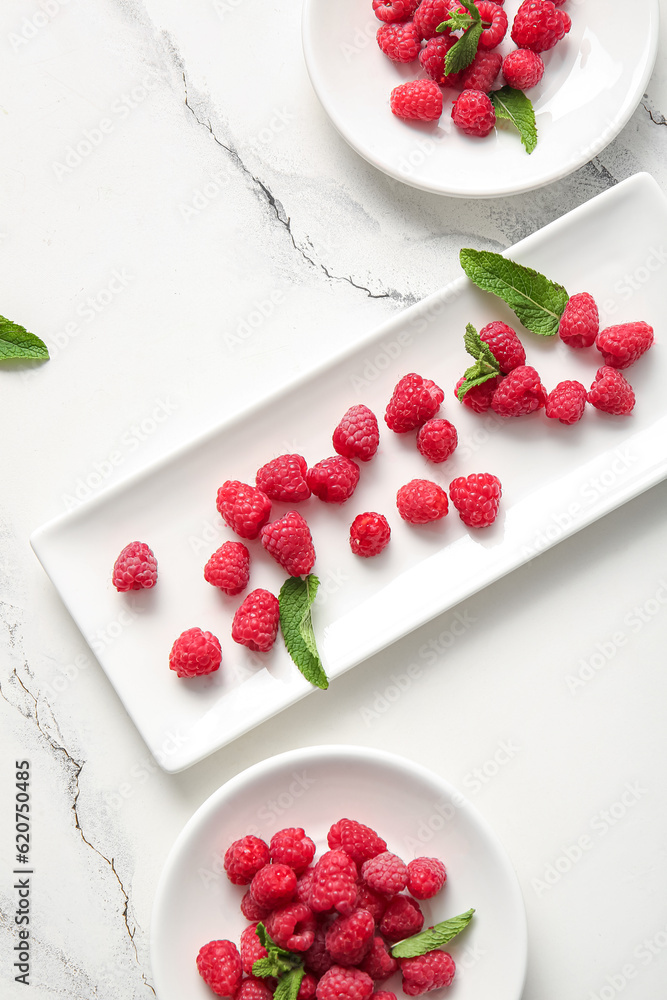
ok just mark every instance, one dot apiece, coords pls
pixel 434 937
pixel 517 108
pixel 537 302
pixel 486 365
pixel 296 597
pixel 277 961
pixel 288 985
pixel 17 342
pixel 464 51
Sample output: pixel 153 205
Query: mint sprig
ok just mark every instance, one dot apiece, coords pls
pixel 434 937
pixel 278 961
pixel 295 599
pixel 486 365
pixel 289 983
pixel 464 50
pixel 514 106
pixel 17 342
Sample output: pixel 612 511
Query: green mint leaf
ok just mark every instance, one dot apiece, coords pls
pixel 434 937
pixel 456 21
pixel 537 302
pixel 278 960
pixel 473 377
pixel 479 349
pixel 296 597
pixel 517 108
pixel 288 985
pixel 17 342
pixel 464 51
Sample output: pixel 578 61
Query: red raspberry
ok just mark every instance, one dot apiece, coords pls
pixel 292 927
pixel 538 25
pixel 383 995
pixel 476 498
pixel 414 401
pixel 251 948
pixel 566 402
pixel 372 901
pixel 426 877
pixel 334 479
pixel 622 345
pixel 219 965
pixel 357 435
pixel 369 534
pixel 229 568
pixel 519 393
pixel 378 962
pixel 307 987
pixel 344 984
pixel 273 885
pixel 580 321
pixel 430 14
pixel 195 653
pixel 478 399
pixel 349 938
pixel 400 41
pixel 253 989
pixel 290 543
pixel 421 501
pixel 417 100
pixel 482 72
pixel 496 18
pixel 303 886
pixel 244 858
pixel 427 972
pixel 395 10
pixel 358 841
pixel 244 508
pixel 334 884
pixel 292 847
pixel 256 621
pixel 402 918
pixel 317 959
pixel 251 910
pixel 504 344
pixel 611 392
pixel 437 440
pixel 283 478
pixel 474 113
pixel 432 57
pixel 567 20
pixel 523 69
pixel 135 568
pixel 385 873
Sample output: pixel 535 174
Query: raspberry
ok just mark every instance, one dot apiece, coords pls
pixel 369 534
pixel 251 910
pixel 622 345
pixel 432 57
pixel 417 100
pixel 611 392
pixel 307 987
pixel 427 972
pixel 251 948
pixel 219 965
pixel 430 14
pixel 395 10
pixel 566 402
pixel 357 435
pixel 402 918
pixel 283 478
pixel 414 401
pixel 523 69
pixel 195 653
pixel 496 18
pixel 334 883
pixel 476 498
pixel 273 885
pixel 421 501
pixel 292 927
pixel 358 841
pixel 303 886
pixel 400 41
pixel 292 847
pixel 372 901
pixel 478 399
pixel 334 479
pixel 519 393
pixel 378 962
pixel 383 995
pixel 385 873
pixel 437 440
pixel 567 20
pixel 344 984
pixel 244 508
pixel 580 321
pixel 135 568
pixel 538 25
pixel 317 959
pixel 229 568
pixel 290 543
pixel 349 938
pixel 482 72
pixel 253 989
pixel 244 858
pixel 474 113
pixel 256 621
pixel 426 877
pixel 504 344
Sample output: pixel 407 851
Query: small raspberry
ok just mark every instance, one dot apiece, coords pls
pixel 523 69
pixel 334 479
pixel 385 873
pixel 580 321
pixel 430 14
pixel 317 959
pixel 253 989
pixel 414 401
pixel 395 10
pixel 334 884
pixel 481 74
pixel 292 927
pixel 219 965
pixel 303 886
pixel 358 841
pixel 496 18
pixel 292 847
pixel 349 938
pixel 383 995
pixel 357 435
pixel 426 877
pixel 251 948
pixel 476 498
pixel 538 25
pixel 135 568
pixel 290 543
pixel 307 987
pixel 473 113
pixel 622 345
pixel 195 653
pixel 421 501
pixel 256 621
pixel 400 41
pixel 244 508
pixel 417 100
pixel 566 402
pixel 519 393
pixel 283 478
pixel 228 569
pixel 372 901
pixel 427 972
pixel 437 440
pixel 504 344
pixel 369 534
pixel 344 984
pixel 478 399
pixel 432 57
pixel 273 885
pixel 251 910
pixel 244 858
pixel 402 918
pixel 611 392
pixel 378 962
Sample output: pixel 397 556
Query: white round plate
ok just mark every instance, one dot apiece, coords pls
pixel 594 80
pixel 416 811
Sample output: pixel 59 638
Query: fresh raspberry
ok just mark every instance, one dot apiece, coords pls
pixel 244 858
pixel 385 873
pixel 427 972
pixel 401 41
pixel 344 984
pixel 334 479
pixel 611 392
pixel 219 965
pixel 519 393
pixel 478 399
pixel 430 14
pixel 476 497
pixel 334 883
pixel 307 987
pixel 523 69
pixel 496 18
pixel 504 344
pixel 317 959
pixel 292 847
pixel 251 910
pixel 357 435
pixel 290 543
pixel 421 501
pixel 369 534
pixel 374 902
pixel 383 995
pixel 244 508
pixel 622 345
pixel 395 10
pixel 284 478
pixel 195 653
pixel 580 321
pixel 358 841
pixel 251 948
pixel 417 100
pixel 253 989
pixel 256 621
pixel 567 20
pixel 378 962
pixel 402 918
pixel 538 25
pixel 229 568
pixel 426 877
pixel 473 113
pixel 414 401
pixel 273 885
pixel 437 440
pixel 135 568
pixel 482 72
pixel 349 938
pixel 303 886
pixel 432 57
pixel 292 927
pixel 566 402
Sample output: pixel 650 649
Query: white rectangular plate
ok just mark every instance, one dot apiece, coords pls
pixel 556 480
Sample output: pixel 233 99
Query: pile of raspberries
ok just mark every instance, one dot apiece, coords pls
pixel 339 916
pixel 409 32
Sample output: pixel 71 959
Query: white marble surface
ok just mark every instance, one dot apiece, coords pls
pixel 214 184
